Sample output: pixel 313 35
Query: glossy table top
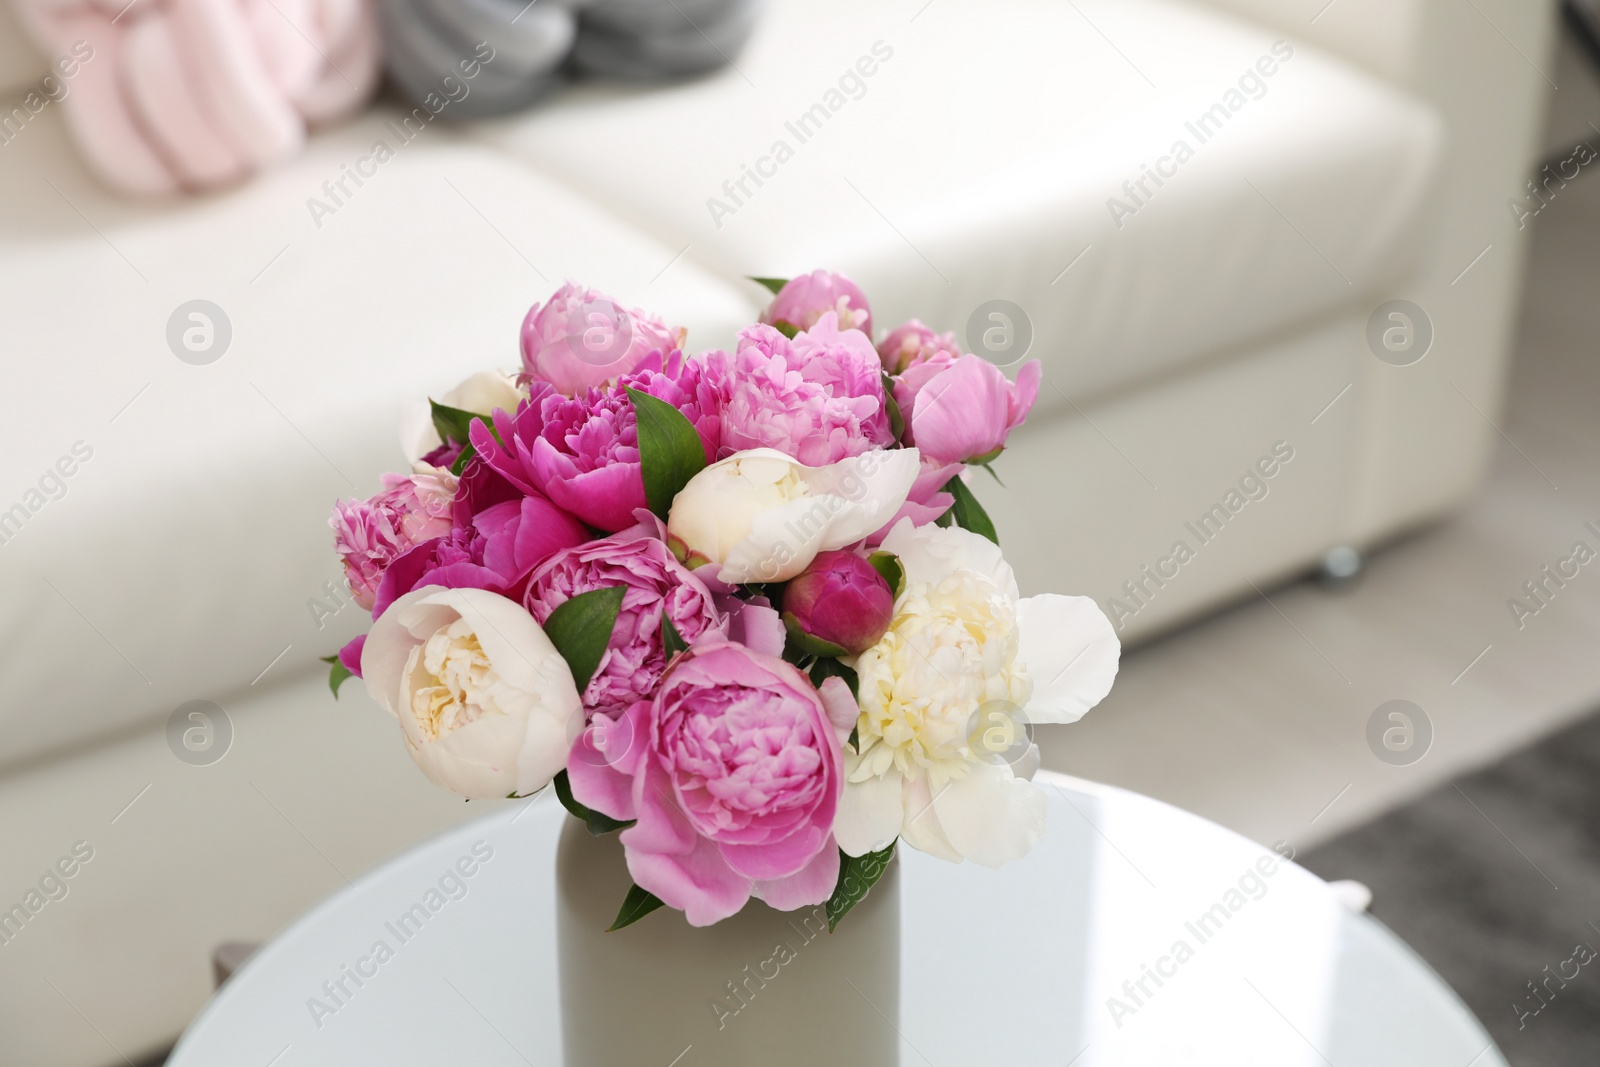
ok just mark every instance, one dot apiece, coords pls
pixel 1134 934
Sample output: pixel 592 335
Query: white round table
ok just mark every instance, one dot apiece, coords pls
pixel 1134 934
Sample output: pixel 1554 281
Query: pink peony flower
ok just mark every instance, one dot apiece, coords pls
pixel 927 499
pixel 733 772
pixel 818 398
pixel 582 338
pixel 804 300
pixel 655 585
pixel 912 342
pixel 505 542
pixel 841 599
pixel 444 456
pixel 583 452
pixel 962 409
pixel 480 487
pixel 371 534
pixel 350 654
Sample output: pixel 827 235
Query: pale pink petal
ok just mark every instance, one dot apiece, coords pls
pixel 759 628
pixel 812 884
pixel 604 759
pixel 698 883
pixel 841 706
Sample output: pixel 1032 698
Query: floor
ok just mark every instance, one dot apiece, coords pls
pixel 1240 718
pixel 1513 932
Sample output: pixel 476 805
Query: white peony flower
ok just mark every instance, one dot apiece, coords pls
pixel 763 516
pixel 487 704
pixel 482 394
pixel 964 665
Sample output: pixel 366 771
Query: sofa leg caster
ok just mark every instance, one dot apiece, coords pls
pixel 1341 566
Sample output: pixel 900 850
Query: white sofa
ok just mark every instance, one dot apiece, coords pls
pixel 1216 333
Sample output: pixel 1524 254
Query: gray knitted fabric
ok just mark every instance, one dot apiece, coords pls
pixel 483 57
pixel 466 59
pixel 644 39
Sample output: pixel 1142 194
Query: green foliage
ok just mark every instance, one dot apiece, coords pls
pixel 670 450
pixel 581 629
pixel 857 876
pixel 637 904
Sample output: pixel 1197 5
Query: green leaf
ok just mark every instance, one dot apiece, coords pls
pixel 453 424
pixel 857 876
pixel 824 669
pixel 888 565
pixel 855 738
pixel 467 452
pixel 788 329
pixel 671 641
pixel 337 674
pixel 581 629
pixel 967 513
pixel 670 450
pixel 775 285
pixel 638 904
pixel 598 823
pixel 988 457
pixel 812 646
pixel 897 421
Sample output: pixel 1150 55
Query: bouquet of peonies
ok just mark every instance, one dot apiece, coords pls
pixel 740 606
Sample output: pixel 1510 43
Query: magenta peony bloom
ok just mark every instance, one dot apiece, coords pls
pixel 583 452
pixel 912 342
pixel 963 409
pixel 480 487
pixel 804 300
pixel 350 654
pixel 818 398
pixel 444 456
pixel 841 599
pixel 655 584
pixel 734 774
pixel 582 338
pixel 369 535
pixel 505 542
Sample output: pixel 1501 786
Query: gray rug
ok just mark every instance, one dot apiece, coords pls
pixel 1495 880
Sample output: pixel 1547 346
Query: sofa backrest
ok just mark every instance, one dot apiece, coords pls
pixel 1382 36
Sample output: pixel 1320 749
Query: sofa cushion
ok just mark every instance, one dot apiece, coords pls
pixel 976 150
pixel 181 546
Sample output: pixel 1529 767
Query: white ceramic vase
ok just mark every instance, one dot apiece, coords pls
pixel 764 987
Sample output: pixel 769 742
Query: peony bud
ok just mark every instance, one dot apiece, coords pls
pixel 840 599
pixel 581 338
pixel 962 410
pixel 804 300
pixel 912 342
